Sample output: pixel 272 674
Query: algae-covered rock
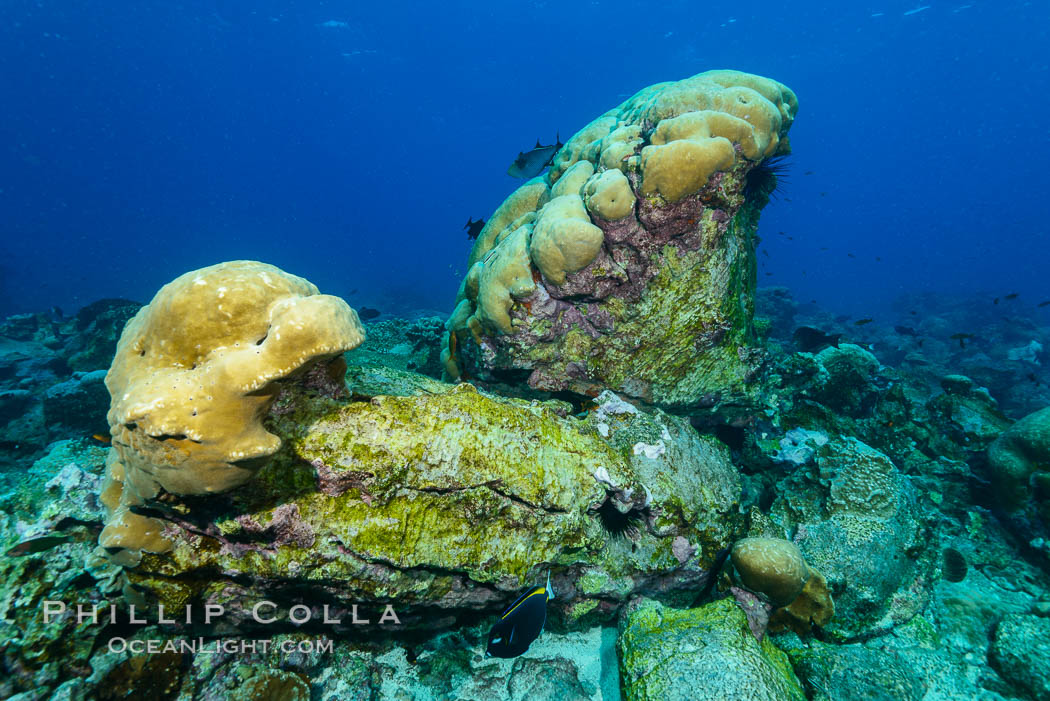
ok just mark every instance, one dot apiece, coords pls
pixel 849 386
pixel 630 265
pixel 1019 461
pixel 382 500
pixel 98 327
pixel 78 406
pixel 400 344
pixel 967 414
pixel 1021 653
pixel 56 500
pixel 698 654
pixel 856 672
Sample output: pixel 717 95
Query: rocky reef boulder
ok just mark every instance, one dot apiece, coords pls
pixel 381 500
pixel 96 330
pixel 631 264
pixel 78 405
pixel 1019 461
pixel 854 517
pixel 700 654
pixel 1021 653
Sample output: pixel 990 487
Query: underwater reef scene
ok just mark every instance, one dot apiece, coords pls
pixel 618 466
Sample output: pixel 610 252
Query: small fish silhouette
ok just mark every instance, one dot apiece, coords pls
pixel 531 163
pixel 474 227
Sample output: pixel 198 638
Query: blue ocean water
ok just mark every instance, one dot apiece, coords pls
pixel 349 142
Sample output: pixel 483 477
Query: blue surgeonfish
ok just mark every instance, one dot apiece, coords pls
pixel 521 623
pixel 529 164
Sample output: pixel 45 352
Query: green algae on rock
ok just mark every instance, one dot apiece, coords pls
pixel 1021 653
pixel 699 654
pixel 383 500
pixel 1020 464
pixel 631 264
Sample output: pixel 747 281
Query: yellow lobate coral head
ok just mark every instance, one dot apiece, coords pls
pixel 666 143
pixel 193 375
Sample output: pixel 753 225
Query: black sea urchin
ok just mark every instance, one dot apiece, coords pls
pixel 620 524
pixel 766 179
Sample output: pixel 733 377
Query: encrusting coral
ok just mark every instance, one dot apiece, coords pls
pixel 630 265
pixel 193 375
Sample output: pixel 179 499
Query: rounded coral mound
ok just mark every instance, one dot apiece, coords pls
pixel 770 566
pixel 776 569
pixel 193 374
pixel 630 265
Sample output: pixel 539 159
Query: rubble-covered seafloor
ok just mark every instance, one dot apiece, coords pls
pixel 880 475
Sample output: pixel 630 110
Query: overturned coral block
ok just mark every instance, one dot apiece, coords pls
pixel 193 375
pixel 449 500
pixel 631 264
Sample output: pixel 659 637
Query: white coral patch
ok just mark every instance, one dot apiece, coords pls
pixel 651 451
pixel 602 475
pixel 609 403
pixel 1028 353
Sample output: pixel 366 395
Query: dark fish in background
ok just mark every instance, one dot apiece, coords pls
pixel 1034 379
pixel 366 313
pixel 38 545
pixel 995 301
pixel 962 338
pixel 352 292
pixel 530 164
pixel 905 331
pixel 474 227
pixel 862 322
pixel 1044 304
pixel 1012 295
pixel 811 340
pixel 521 623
